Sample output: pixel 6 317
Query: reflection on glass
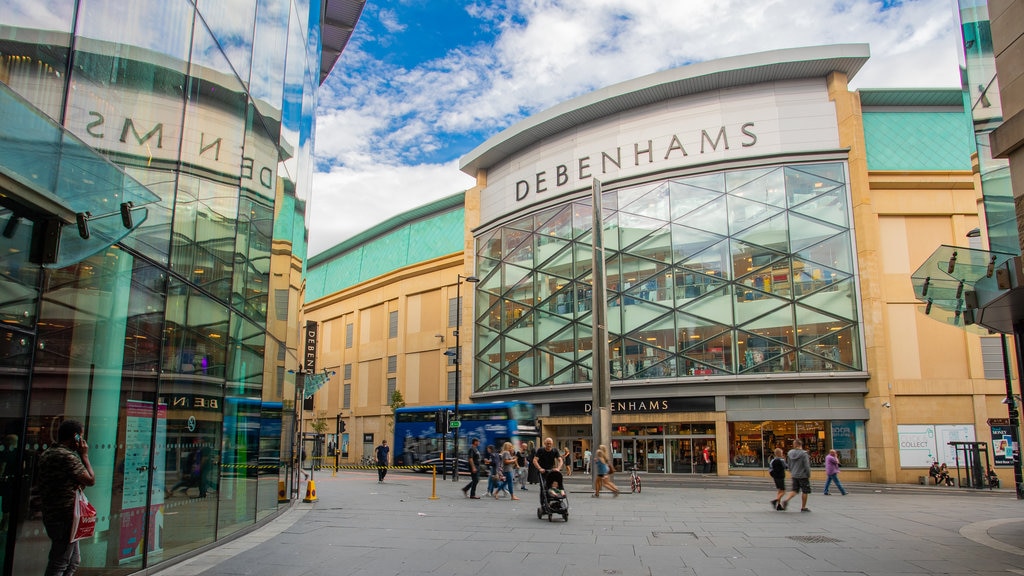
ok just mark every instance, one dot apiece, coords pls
pixel 729 273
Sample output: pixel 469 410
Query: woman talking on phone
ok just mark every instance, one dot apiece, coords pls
pixel 63 469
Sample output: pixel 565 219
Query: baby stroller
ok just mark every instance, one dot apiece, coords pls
pixel 550 504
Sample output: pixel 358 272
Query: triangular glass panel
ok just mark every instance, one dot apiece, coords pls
pixel 511 239
pixel 709 356
pixel 582 218
pixel 760 354
pixel 640 199
pixel 807 232
pixel 585 335
pixel 716 306
pixel 840 350
pixel 815 325
pixel 493 316
pixel 523 253
pixel 610 232
pixel 547 287
pixel 555 222
pixel 777 325
pixel 524 224
pixel 711 217
pixel 686 198
pixel 772 233
pixel 746 258
pixel 554 253
pixel 657 246
pixel 485 266
pixel 582 299
pixel 491 380
pixel 745 213
pixel 714 260
pixel 634 228
pixel 522 324
pixel 490 283
pixel 811 180
pixel 549 324
pixel 640 312
pixel 830 207
pixel 522 371
pixel 688 241
pixel 609 202
pixel 514 274
pixel 489 245
pixel 522 292
pixel 738 178
pixel 491 357
pixel 834 253
pixel 583 259
pixel 614 315
pixel 768 189
pixel 658 367
pixel 689 285
pixel 655 288
pixel 809 277
pixel 636 270
pixel 550 364
pixel 484 337
pixel 760 305
pixel 561 342
pixel 513 347
pixel 838 299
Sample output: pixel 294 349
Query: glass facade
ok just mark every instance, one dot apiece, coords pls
pixel 164 341
pixel 735 273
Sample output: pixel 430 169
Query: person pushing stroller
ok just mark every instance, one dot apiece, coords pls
pixel 547 461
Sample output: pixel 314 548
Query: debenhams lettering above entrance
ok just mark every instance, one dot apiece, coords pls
pixel 672 151
pixel 641 406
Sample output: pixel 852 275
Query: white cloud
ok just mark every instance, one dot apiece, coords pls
pixel 379 126
pixel 349 201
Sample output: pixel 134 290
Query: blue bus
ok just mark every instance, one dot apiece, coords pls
pixel 494 423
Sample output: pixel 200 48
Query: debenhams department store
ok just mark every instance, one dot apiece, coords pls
pixel 734 305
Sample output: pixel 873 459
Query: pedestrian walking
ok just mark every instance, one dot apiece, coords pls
pixel 508 468
pixel 832 466
pixel 532 474
pixel 381 454
pixel 64 468
pixel 522 469
pixel 587 456
pixel 494 476
pixel 799 463
pixel 604 470
pixel 777 470
pixel 469 490
pixel 567 457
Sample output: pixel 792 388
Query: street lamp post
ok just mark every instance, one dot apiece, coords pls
pixel 458 366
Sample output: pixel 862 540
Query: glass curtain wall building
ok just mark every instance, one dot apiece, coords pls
pixel 733 305
pixel 155 180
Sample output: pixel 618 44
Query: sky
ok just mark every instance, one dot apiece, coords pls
pixel 423 82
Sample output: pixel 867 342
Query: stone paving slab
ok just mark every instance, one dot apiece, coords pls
pixel 688 526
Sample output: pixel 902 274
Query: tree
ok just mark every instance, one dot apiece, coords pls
pixel 397 401
pixel 319 424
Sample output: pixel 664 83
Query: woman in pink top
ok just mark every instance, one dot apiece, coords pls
pixel 832 470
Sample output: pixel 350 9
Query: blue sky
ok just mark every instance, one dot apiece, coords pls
pixel 423 82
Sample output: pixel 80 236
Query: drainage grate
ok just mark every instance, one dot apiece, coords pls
pixel 815 539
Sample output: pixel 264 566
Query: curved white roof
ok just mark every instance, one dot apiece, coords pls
pixel 786 64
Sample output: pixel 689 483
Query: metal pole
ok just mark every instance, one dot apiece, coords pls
pixel 602 386
pixel 1011 406
pixel 300 379
pixel 458 372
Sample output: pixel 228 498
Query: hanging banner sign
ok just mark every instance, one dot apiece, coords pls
pixel 309 356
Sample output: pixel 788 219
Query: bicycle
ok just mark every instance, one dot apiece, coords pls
pixel 634 479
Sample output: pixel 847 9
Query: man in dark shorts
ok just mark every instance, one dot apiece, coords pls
pixel 799 463
pixel 545 460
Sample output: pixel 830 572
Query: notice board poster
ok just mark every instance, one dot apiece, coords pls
pixel 138 435
pixel 922 444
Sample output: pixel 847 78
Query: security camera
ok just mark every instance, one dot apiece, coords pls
pixel 886 405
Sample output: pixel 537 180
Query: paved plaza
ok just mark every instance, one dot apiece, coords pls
pixel 678 526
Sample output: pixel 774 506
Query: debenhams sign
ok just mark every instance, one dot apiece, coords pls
pixel 762 121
